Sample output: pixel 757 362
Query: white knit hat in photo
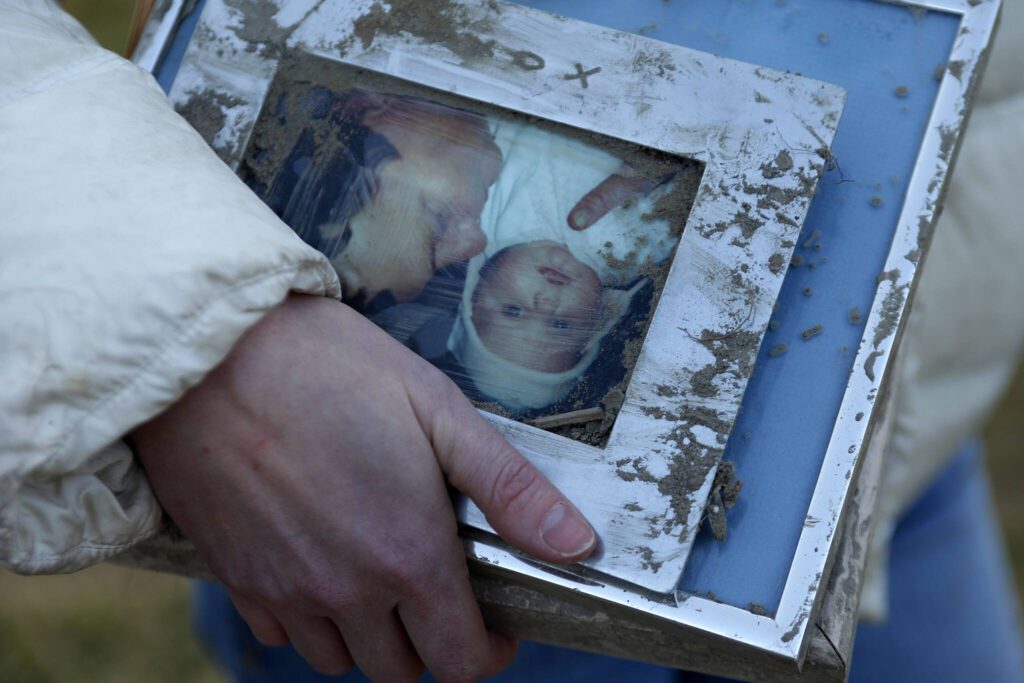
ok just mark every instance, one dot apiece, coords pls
pixel 516 387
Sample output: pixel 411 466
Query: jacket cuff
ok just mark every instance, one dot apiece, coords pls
pixel 131 261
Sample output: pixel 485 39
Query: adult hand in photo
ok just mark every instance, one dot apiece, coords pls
pixel 613 191
pixel 309 469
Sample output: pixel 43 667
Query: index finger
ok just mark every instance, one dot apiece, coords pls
pixel 613 191
pixel 447 629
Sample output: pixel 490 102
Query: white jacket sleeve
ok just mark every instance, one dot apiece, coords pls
pixel 131 260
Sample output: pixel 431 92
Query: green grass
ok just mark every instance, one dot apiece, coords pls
pixel 108 20
pixel 1004 438
pixel 103 625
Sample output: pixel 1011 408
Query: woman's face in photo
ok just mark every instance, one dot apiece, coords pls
pixel 425 212
pixel 538 306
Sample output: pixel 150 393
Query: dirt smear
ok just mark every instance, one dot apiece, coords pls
pixel 439 22
pixel 892 306
pixel 869 364
pixel 205 111
pixel 260 30
pixel 725 491
pixel 691 461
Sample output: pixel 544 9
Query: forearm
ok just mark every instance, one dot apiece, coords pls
pixel 131 261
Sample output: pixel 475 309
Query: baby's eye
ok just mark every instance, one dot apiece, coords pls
pixel 512 311
pixel 559 324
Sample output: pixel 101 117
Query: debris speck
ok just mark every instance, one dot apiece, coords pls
pixel 858 417
pixel 716 518
pixel 877 201
pixel 797 260
pixel 869 364
pixel 809 242
pixel 901 91
pixel 823 38
pixel 778 350
pixel 774 325
pixel 855 316
pixel 812 331
pixel 784 161
pixel 956 67
pixel 808 291
pixel 725 491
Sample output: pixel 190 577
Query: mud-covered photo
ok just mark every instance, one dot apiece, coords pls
pixel 522 259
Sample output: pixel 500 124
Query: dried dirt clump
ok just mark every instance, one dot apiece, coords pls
pixel 441 22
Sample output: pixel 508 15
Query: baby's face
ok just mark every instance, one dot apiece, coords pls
pixel 538 307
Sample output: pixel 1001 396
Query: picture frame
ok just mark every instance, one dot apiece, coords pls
pixel 761 135
pixel 589 608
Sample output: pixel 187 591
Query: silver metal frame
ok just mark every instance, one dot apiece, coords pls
pixel 683 622
pixel 156 36
pixel 921 206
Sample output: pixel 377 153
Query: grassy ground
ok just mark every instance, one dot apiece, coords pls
pixel 106 624
pixel 113 625
pixel 108 20
pixel 102 625
pixel 1004 437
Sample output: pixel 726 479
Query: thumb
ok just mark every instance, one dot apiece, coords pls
pixel 519 502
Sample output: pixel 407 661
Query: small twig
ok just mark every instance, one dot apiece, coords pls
pixel 575 417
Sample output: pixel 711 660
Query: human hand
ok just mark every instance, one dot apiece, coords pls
pixel 613 191
pixel 309 469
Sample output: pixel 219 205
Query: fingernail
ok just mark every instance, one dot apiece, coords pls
pixel 579 219
pixel 565 531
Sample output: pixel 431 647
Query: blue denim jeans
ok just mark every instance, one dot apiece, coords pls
pixel 954 614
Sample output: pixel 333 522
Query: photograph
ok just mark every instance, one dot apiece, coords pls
pixel 522 258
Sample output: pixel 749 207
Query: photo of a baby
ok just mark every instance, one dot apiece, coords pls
pixel 522 259
pixel 542 294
